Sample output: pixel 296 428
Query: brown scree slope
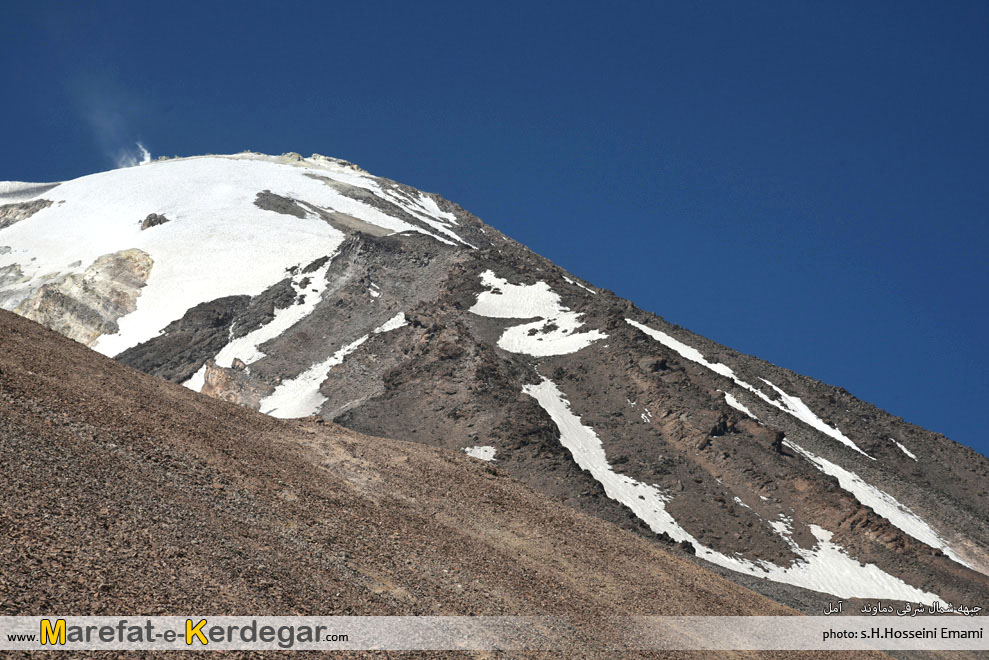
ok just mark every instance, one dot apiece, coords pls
pixel 126 494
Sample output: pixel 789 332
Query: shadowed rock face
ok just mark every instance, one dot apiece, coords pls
pixel 186 344
pixel 724 438
pixel 87 305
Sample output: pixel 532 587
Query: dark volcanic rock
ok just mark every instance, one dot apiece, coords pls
pixel 732 482
pixel 136 495
pixel 187 343
pixel 262 308
pixel 153 220
pixel 269 201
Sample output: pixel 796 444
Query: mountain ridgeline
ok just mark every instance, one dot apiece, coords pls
pixel 309 288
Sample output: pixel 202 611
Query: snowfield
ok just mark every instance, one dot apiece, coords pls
pixel 246 348
pixel 881 502
pixel 216 242
pixel 734 403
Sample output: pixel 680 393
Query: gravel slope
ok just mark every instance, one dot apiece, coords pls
pixel 125 494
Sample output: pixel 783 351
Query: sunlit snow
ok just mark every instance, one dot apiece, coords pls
pixel 300 396
pixel 555 331
pixel 826 567
pixel 881 502
pixel 734 403
pixel 575 283
pixel 483 452
pixel 905 450
pixel 789 404
pixel 247 349
pixel 217 242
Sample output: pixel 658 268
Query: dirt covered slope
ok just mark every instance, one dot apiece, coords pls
pixel 126 494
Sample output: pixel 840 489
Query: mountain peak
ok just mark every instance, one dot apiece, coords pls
pixel 309 287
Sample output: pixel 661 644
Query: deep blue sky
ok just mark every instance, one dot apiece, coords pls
pixel 806 182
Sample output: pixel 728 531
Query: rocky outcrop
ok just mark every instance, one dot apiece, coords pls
pixel 184 345
pixel 136 489
pixel 83 306
pixel 269 201
pixel 234 385
pixel 153 220
pixel 11 213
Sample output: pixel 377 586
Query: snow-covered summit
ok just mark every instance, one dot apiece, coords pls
pixel 224 225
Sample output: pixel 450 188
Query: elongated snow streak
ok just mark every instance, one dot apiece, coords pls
pixel 428 213
pixel 789 404
pixel 905 450
pixel 734 403
pixel 555 331
pixel 247 348
pixel 881 502
pixel 394 323
pixel 575 283
pixel 300 396
pixel 826 568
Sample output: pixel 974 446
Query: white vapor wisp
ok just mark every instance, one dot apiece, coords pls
pixel 132 157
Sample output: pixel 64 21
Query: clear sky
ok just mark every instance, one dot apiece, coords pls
pixel 807 182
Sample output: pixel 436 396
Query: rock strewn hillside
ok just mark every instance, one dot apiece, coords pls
pixel 405 316
pixel 126 494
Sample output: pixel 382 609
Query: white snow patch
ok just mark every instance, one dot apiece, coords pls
pixel 217 243
pixel 246 348
pixel 783 526
pixel 739 501
pixel 433 209
pixel 734 403
pixel 826 568
pixel 197 380
pixel 789 404
pixel 554 333
pixel 483 452
pixel 300 396
pixel 394 323
pixel 904 450
pixel 426 210
pixel 794 406
pixel 881 502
